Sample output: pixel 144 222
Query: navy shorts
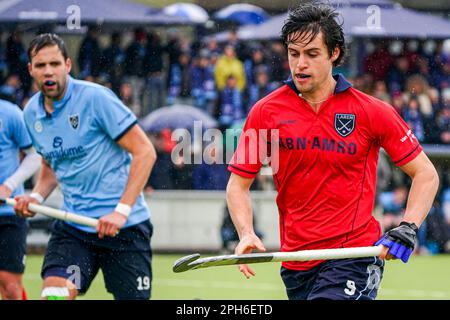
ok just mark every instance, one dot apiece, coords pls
pixel 346 279
pixel 125 260
pixel 13 238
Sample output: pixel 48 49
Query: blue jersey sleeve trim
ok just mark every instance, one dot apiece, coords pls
pixel 125 131
pixel 26 147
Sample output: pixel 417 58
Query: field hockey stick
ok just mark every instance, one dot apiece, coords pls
pixel 194 261
pixel 55 213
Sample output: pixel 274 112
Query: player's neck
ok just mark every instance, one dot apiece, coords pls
pixel 316 98
pixel 50 101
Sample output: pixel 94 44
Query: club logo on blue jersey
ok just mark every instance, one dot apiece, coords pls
pixel 38 126
pixel 344 123
pixel 74 121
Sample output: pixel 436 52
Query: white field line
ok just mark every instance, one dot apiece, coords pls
pixel 233 285
pixel 274 287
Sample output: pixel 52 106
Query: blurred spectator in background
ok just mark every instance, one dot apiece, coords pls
pixel 228 64
pixel 379 62
pixel 173 49
pixel 203 86
pixel 441 78
pixel 113 58
pixel 161 177
pixel 380 91
pixel 260 88
pixel 393 204
pixel 212 173
pixel 3 65
pixel 436 238
pixel 443 124
pixel 256 60
pixel 238 45
pixel 180 81
pixel 134 66
pixel 364 83
pixel 181 173
pixel 90 54
pixel 126 95
pixel 446 206
pixel 153 69
pixel 423 68
pixel 278 63
pixel 417 86
pixel 230 103
pixel 12 90
pixel 212 46
pixel 413 117
pixel 398 101
pixel 17 59
pixel 398 73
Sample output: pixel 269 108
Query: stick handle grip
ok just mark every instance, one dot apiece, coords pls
pixel 328 254
pixel 57 214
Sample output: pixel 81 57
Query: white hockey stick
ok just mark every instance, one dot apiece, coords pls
pixel 194 261
pixel 55 213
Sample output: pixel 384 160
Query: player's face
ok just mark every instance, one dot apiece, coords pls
pixel 49 69
pixel 310 63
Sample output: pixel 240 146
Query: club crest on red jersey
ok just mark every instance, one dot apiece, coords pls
pixel 344 123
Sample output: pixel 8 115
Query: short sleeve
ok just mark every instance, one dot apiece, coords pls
pixel 111 114
pixel 19 131
pixel 394 135
pixel 246 161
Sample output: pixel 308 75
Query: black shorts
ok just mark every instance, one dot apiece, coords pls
pixel 13 238
pixel 346 279
pixel 125 259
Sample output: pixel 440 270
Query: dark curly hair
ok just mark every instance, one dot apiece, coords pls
pixel 308 20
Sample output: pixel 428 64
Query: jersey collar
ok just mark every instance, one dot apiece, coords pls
pixel 58 105
pixel 342 84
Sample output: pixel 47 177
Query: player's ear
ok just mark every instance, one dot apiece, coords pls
pixel 335 54
pixel 30 68
pixel 68 65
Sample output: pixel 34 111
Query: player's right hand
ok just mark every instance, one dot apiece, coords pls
pixel 247 244
pixel 21 206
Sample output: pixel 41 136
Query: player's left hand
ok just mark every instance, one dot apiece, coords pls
pixel 399 242
pixel 110 224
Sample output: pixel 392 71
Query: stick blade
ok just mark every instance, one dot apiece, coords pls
pixel 182 264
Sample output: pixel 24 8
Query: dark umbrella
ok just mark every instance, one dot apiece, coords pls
pixel 176 117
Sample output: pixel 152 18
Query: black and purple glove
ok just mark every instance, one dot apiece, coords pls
pixel 400 240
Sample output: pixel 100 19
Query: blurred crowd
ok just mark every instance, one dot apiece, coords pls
pixel 226 79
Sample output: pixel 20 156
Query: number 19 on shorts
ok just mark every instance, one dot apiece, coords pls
pixel 143 283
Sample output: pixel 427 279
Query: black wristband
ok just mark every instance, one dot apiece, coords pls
pixel 412 225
